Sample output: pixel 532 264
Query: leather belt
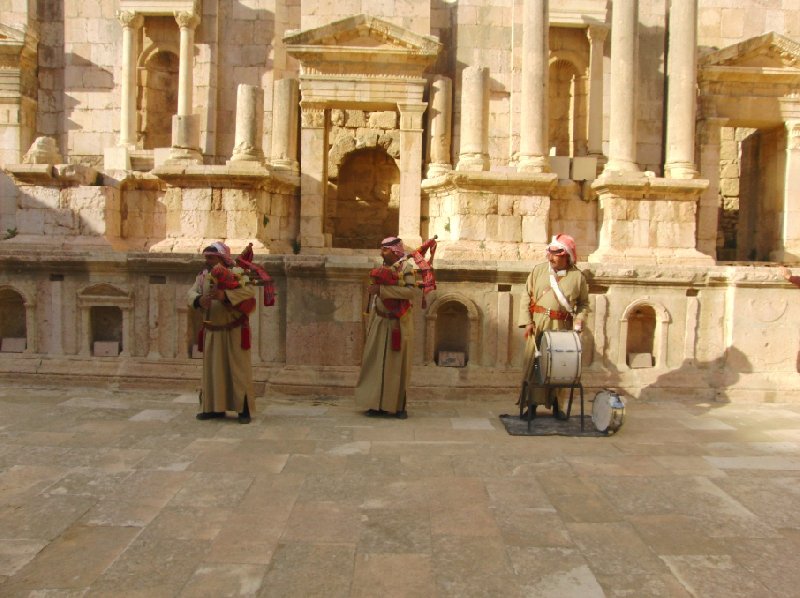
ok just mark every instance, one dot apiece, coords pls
pixel 551 313
pixel 229 326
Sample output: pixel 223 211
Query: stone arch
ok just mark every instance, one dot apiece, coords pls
pixel 157 99
pixel 17 320
pixel 568 104
pixel 648 323
pixel 472 337
pixel 364 199
pixel 105 315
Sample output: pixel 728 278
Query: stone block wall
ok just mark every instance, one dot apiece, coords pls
pixel 314 335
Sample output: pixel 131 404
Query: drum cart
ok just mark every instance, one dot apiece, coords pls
pixel 526 396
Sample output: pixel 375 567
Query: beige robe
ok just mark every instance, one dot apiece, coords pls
pixel 385 373
pixel 227 373
pixel 576 291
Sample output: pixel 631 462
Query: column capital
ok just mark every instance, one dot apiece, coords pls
pixel 411 116
pixel 312 116
pixel 792 134
pixel 130 19
pixel 187 19
pixel 597 33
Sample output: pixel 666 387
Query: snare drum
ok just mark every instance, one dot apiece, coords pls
pixel 608 411
pixel 560 357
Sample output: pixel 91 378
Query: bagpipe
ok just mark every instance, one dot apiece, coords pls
pixel 224 278
pixel 425 267
pixel 390 275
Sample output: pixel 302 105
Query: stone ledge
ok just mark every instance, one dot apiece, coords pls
pixel 522 183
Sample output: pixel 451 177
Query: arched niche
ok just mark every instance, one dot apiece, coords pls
pixel 17 321
pixel 442 319
pixel 105 315
pixel 157 99
pixel 568 103
pixel 364 200
pixel 644 328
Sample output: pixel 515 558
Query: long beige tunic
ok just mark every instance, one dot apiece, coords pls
pixel 227 374
pixel 385 373
pixel 576 291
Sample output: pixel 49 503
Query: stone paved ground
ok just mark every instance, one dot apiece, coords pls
pixel 107 493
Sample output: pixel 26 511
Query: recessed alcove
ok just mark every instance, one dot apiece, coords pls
pixel 452 326
pixel 643 335
pixel 106 330
pixel 105 318
pixel 13 331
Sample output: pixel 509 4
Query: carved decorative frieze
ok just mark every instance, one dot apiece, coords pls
pixel 312 118
pixel 161 7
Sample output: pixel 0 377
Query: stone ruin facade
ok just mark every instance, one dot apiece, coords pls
pixel 667 142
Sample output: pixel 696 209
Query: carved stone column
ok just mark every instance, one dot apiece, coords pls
pixel 285 103
pixel 791 195
pixel 313 163
pixel 185 125
pixel 474 152
pixel 131 23
pixel 534 123
pixel 622 117
pixel 410 171
pixel 249 124
pixel 681 78
pixel 597 36
pixel 708 207
pixel 440 118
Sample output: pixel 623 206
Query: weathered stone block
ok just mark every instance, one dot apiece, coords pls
pixel 640 360
pixel 30 222
pixel 534 230
pixel 35 198
pixel 509 228
pixel 729 187
pixel 560 165
pixel 584 168
pixel 452 359
pixel 13 345
pixel 105 349
pixel 383 120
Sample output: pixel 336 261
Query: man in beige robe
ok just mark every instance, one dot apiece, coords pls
pixel 386 362
pixel 227 374
pixel 543 310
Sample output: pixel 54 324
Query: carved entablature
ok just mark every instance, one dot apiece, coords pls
pixel 578 13
pixel 752 83
pixel 18 62
pixel 161 7
pixel 362 44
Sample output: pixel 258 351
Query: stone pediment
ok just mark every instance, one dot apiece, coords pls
pixel 768 51
pixel 358 44
pixel 13 40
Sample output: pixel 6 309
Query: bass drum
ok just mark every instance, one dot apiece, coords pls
pixel 560 357
pixel 608 411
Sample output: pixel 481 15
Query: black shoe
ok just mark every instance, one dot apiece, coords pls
pixel 210 415
pixel 559 415
pixel 532 409
pixel 244 419
pixel 401 414
pixel 375 412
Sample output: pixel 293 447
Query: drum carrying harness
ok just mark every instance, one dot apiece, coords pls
pixel 553 314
